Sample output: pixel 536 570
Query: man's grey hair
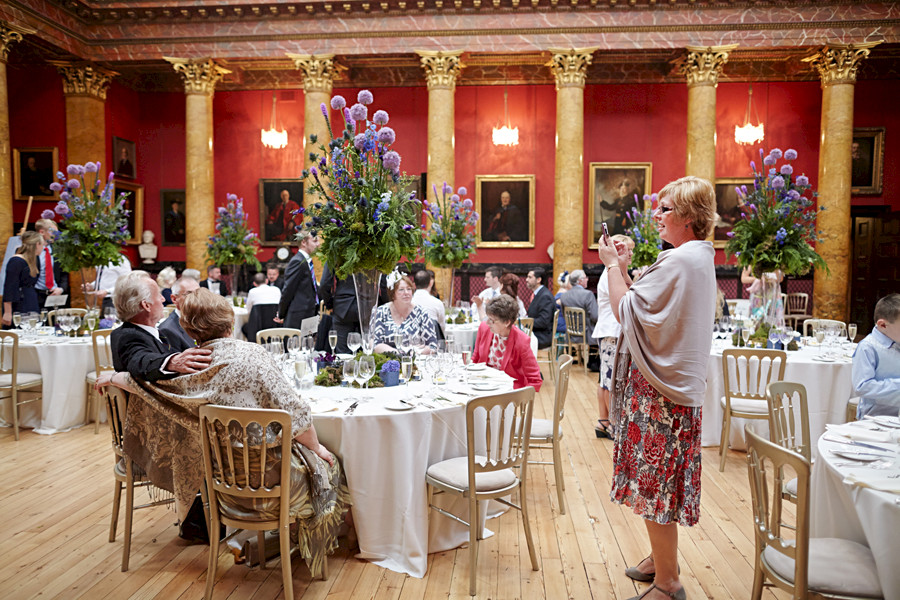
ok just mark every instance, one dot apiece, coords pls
pixel 192 273
pixel 131 290
pixel 179 284
pixel 576 276
pixel 303 235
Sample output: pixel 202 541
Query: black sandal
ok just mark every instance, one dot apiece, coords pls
pixel 603 431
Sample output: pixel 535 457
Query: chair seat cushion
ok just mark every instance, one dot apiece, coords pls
pixel 136 471
pixel 747 406
pixel 455 472
pixel 21 379
pixel 791 487
pixel 91 377
pixel 541 428
pixel 835 566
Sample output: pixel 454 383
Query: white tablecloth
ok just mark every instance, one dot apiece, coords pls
pixel 385 454
pixel 240 317
pixel 828 387
pixel 63 367
pixel 847 511
pixel 466 334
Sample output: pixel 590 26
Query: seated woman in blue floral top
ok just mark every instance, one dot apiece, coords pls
pixel 401 316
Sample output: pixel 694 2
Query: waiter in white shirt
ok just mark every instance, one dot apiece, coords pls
pixel 105 285
pixel 423 298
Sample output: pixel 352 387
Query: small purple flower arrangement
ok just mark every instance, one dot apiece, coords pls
pixel 390 373
pixel 451 239
pixel 234 243
pixel 647 243
pixel 324 360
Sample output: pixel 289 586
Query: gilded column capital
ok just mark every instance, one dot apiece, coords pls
pixel 9 35
pixel 319 71
pixel 703 65
pixel 200 75
pixel 569 66
pixel 837 63
pixel 441 68
pixel 84 79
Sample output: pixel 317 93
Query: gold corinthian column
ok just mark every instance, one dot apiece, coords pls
pixel 200 78
pixel 441 70
pixel 9 35
pixel 319 72
pixel 569 67
pixel 836 64
pixel 85 87
pixel 701 68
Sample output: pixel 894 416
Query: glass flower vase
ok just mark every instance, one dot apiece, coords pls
pixel 366 284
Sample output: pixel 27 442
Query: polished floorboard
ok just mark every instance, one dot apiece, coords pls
pixel 56 499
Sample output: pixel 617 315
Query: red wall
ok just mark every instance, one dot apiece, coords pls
pixel 875 105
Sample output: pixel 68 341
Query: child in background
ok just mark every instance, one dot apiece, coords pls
pixel 876 362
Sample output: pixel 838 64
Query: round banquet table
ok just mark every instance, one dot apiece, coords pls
pixel 828 388
pixel 63 364
pixel 384 454
pixel 240 317
pixel 841 509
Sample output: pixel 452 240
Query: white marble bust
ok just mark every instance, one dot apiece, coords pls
pixel 148 249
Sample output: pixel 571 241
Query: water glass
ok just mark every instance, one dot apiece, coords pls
pixel 351 372
pixel 366 371
pixel 293 346
pixel 354 341
pixel 851 332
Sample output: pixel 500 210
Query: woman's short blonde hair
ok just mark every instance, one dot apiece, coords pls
pixel 623 239
pixel 206 315
pixel 503 308
pixel 166 278
pixel 694 200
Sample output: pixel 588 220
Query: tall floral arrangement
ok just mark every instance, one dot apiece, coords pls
pixel 778 220
pixel 644 233
pixel 365 217
pixel 451 239
pixel 234 243
pixel 93 225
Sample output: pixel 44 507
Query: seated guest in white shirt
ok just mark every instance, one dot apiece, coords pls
pixel 876 362
pixel 171 327
pixel 105 285
pixel 262 292
pixel 493 289
pixel 423 298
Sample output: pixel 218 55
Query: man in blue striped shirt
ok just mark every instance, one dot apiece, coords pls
pixel 876 362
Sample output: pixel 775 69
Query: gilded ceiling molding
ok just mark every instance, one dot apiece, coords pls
pixel 702 66
pixel 837 63
pixel 441 68
pixel 569 66
pixel 9 35
pixel 200 75
pixel 84 79
pixel 319 71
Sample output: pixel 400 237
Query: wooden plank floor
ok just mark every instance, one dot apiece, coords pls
pixel 56 500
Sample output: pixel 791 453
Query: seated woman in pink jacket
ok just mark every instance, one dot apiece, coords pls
pixel 504 346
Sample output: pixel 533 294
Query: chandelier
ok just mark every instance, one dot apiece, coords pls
pixel 748 133
pixel 505 135
pixel 271 137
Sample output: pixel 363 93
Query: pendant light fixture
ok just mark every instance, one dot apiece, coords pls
pixel 505 135
pixel 748 133
pixel 272 138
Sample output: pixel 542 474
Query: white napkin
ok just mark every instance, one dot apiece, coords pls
pixel 323 406
pixel 861 433
pixel 875 480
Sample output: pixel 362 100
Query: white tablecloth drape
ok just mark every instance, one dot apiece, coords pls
pixel 385 454
pixel 828 388
pixel 240 317
pixel 850 512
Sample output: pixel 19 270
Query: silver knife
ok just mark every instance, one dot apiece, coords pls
pixel 862 444
pixel 351 408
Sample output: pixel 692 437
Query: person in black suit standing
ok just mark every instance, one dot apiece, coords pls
pixel 176 335
pixel 541 307
pixel 213 281
pixel 340 297
pixel 300 296
pixel 137 346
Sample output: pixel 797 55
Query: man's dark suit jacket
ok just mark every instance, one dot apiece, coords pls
pixel 541 310
pixel 223 289
pixel 279 283
pixel 178 339
pixel 136 351
pixel 340 296
pixel 298 298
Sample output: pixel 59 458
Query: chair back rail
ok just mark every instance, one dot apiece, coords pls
pixel 102 350
pixel 9 354
pixel 497 425
pixel 747 372
pixel 796 303
pixel 789 417
pixel 563 371
pixel 809 326
pixel 526 324
pixel 264 336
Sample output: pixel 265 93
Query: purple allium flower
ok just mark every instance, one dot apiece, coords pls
pixel 381 117
pixel 347 117
pixel 775 153
pixel 786 169
pixel 359 141
pixel 222 210
pixel 364 97
pixel 386 136
pixel 447 188
pixel 90 167
pixel 391 160
pixel 790 154
pixel 730 234
pixel 56 187
pixel 73 184
pixel 338 102
pixel 769 160
pixel 407 227
pixel 454 198
pixel 803 180
pixel 48 214
pixel 73 169
pixel 65 196
pixel 778 182
pixel 462 191
pixel 358 112
pixel 61 208
pixel 793 195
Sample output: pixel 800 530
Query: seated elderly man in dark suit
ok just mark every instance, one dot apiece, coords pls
pixel 137 346
pixel 171 328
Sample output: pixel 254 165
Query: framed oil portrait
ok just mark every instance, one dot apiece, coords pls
pixel 867 161
pixel 134 204
pixel 612 195
pixel 728 207
pixel 172 203
pixel 124 158
pixel 506 206
pixel 278 199
pixel 34 169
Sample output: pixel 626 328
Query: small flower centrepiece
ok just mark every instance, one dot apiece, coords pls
pixel 451 239
pixel 644 233
pixel 234 243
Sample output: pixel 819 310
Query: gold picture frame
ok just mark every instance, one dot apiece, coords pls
pixel 45 167
pixel 867 161
pixel 608 202
pixel 277 223
pixel 728 207
pixel 511 226
pixel 134 203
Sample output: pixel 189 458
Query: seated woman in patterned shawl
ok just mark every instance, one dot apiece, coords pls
pixel 162 420
pixel 401 316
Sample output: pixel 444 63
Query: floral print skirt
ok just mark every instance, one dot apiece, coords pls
pixel 656 456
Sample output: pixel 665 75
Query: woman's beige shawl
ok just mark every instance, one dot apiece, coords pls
pixel 667 324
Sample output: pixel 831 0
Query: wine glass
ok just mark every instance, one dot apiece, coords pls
pixel 332 339
pixel 820 336
pixel 354 341
pixel 745 335
pixel 33 321
pixel 76 323
pixel 351 372
pixel 450 340
pixel 366 371
pixel 301 365
pixel 63 321
pixel 293 346
pixel 851 332
pixel 787 335
pixel 17 319
pixel 406 365
pixel 91 320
